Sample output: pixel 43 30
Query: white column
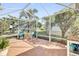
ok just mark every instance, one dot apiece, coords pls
pixel 30 29
pixel 18 26
pixel 50 29
pixel 68 47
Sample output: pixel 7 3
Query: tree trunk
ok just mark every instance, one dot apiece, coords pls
pixel 47 31
pixel 28 27
pixel 63 34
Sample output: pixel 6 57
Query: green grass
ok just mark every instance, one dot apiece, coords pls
pixel 55 38
pixel 53 35
pixel 44 33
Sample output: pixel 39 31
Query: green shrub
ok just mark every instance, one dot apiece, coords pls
pixel 3 43
pixel 60 40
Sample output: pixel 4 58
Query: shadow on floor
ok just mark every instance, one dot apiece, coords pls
pixel 41 51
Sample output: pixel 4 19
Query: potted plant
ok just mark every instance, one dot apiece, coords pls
pixel 4 44
pixel 27 36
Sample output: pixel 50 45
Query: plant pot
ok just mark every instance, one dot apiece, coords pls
pixel 3 52
pixel 27 36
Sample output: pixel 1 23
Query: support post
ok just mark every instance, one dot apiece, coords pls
pixel 49 29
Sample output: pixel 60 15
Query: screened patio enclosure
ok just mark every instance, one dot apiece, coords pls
pixel 46 27
pixel 30 22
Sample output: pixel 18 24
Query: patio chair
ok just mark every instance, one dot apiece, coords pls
pixel 21 35
pixel 34 34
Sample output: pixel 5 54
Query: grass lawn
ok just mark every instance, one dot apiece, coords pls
pixel 55 38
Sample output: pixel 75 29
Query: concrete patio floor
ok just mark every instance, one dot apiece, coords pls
pixel 36 47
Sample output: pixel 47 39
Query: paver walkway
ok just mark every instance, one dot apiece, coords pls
pixel 35 47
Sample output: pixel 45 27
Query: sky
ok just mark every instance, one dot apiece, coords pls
pixel 50 7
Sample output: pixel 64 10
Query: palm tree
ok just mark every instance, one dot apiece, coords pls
pixel 0 27
pixel 46 19
pixel 1 8
pixel 30 14
pixel 46 24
